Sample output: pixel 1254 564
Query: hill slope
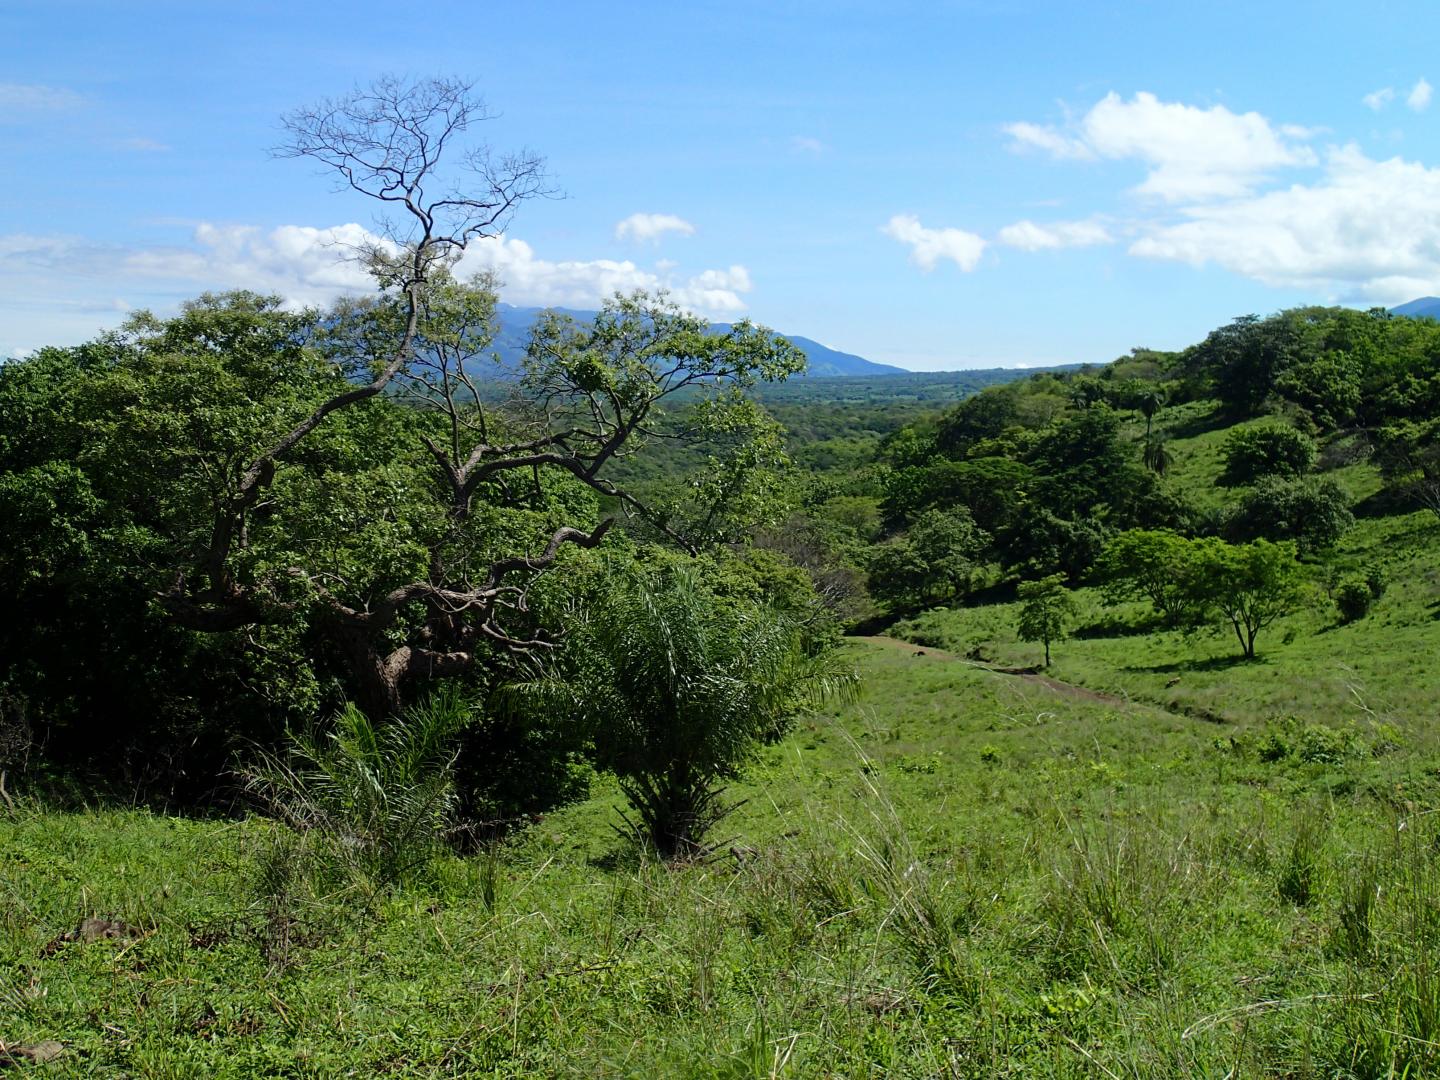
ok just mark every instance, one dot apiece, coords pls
pixel 1426 307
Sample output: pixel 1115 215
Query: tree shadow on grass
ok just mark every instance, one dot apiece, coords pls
pixel 1118 628
pixel 1214 663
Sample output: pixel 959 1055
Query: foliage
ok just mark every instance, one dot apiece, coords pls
pixel 1353 599
pixel 991 488
pixel 1249 585
pixel 1257 452
pixel 1409 456
pixel 381 795
pixel 1153 564
pixel 935 562
pixel 1045 612
pixel 679 687
pixel 1156 455
pixel 1313 511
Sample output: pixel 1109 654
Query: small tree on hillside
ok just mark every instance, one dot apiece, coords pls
pixel 1046 612
pixel 1251 585
pixel 1151 563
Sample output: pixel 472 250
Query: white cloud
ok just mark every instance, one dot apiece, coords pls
pixel 650 227
pixel 31 97
pixel 1192 153
pixel 528 280
pixel 806 144
pixel 1367 231
pixel 1048 139
pixel 1028 236
pixel 929 246
pixel 49 284
pixel 1378 99
pixel 312 266
pixel 1419 96
pixel 303 264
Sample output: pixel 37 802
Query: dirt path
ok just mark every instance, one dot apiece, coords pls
pixel 1030 676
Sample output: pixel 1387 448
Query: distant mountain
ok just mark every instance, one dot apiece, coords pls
pixel 1427 307
pixel 515 323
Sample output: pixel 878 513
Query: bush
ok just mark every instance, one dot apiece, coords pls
pixel 381 797
pixel 1375 580
pixel 1253 453
pixel 1325 746
pixel 679 686
pixel 1313 511
pixel 1353 600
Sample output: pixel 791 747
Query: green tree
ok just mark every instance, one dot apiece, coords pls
pixel 680 686
pixel 1150 399
pixel 1275 450
pixel 1314 511
pixel 1153 564
pixel 1409 457
pixel 1045 611
pixel 253 505
pixel 447 586
pixel 1249 585
pixel 1155 455
pixel 934 562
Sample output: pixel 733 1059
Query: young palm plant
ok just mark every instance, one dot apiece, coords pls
pixel 381 794
pixel 1156 456
pixel 680 686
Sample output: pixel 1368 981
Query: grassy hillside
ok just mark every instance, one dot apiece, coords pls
pixel 964 873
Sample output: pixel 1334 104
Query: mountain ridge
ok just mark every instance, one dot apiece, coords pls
pixel 515 323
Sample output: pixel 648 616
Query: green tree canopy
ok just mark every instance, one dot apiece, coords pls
pixel 1045 611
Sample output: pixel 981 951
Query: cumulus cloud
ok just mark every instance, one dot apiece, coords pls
pixel 1367 231
pixel 1419 97
pixel 929 246
pixel 307 265
pixel 806 144
pixel 1039 137
pixel 1192 153
pixel 49 284
pixel 651 227
pixel 1028 236
pixel 530 280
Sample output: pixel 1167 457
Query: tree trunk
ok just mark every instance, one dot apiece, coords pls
pixel 376 683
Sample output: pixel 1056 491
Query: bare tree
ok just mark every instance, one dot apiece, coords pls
pixel 590 394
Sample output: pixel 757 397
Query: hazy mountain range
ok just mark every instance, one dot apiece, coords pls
pixel 1427 307
pixel 515 323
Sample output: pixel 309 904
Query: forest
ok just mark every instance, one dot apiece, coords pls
pixel 370 708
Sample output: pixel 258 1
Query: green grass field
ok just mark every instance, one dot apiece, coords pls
pixel 962 874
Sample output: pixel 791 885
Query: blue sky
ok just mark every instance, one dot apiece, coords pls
pixel 936 185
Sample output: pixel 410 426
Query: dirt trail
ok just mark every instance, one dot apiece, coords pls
pixel 1055 685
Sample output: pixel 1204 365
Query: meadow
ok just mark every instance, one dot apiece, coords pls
pixel 963 873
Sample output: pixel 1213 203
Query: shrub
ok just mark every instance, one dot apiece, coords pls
pixel 1253 453
pixel 1353 599
pixel 1325 746
pixel 1313 511
pixel 1375 580
pixel 679 687
pixel 381 796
